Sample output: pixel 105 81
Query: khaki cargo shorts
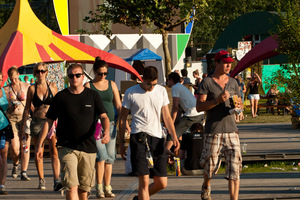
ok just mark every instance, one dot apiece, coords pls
pixel 16 124
pixel 77 168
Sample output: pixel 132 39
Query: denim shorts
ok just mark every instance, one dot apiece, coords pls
pixel 107 151
pixel 253 96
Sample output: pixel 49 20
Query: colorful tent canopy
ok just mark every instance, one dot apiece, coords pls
pixel 265 49
pixel 24 40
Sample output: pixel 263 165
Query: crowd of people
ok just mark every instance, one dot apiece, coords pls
pixel 33 112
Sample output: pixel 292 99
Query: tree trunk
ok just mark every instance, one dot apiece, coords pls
pixel 166 52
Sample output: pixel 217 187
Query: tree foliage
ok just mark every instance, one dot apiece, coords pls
pixel 219 14
pixel 162 15
pixel 43 9
pixel 288 37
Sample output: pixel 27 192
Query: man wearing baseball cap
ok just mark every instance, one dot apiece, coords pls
pixel 220 128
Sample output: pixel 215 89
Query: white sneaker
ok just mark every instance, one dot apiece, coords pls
pixel 108 192
pixel 42 184
pixel 99 191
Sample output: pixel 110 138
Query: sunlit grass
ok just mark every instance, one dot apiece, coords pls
pixel 267 166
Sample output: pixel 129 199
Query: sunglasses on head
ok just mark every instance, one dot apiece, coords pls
pixel 40 71
pixel 102 74
pixel 227 56
pixel 71 76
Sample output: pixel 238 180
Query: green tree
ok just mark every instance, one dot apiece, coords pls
pixel 219 14
pixel 6 8
pixel 44 10
pixel 288 37
pixel 162 15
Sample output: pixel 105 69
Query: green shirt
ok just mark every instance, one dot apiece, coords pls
pixel 107 98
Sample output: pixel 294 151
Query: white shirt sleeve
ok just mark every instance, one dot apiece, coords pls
pixel 126 100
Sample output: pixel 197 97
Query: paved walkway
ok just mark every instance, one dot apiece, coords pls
pixel 261 138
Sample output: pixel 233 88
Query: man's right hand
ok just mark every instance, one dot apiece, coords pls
pixel 223 96
pixel 122 151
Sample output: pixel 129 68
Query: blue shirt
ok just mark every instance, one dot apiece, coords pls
pixel 4 105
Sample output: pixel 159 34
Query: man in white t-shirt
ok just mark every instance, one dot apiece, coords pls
pixel 147 102
pixel 184 98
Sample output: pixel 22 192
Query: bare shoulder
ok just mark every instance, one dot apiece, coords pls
pixel 87 84
pixel 113 84
pixel 53 85
pixel 6 89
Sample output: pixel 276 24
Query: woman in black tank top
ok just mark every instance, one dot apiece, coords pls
pixel 252 87
pixel 39 97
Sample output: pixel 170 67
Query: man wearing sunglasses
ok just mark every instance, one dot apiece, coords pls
pixel 220 128
pixel 147 102
pixel 76 109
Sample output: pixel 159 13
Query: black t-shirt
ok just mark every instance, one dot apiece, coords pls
pixel 193 144
pixel 76 115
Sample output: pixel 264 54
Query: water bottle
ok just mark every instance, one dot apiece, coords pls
pixel 149 159
pixel 2 143
pixel 25 147
pixel 98 130
pixel 149 156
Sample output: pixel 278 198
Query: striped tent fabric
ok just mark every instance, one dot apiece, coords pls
pixel 24 40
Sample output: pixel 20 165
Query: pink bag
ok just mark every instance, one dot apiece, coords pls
pixel 98 131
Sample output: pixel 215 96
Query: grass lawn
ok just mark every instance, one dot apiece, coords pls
pixel 263 116
pixel 258 167
pixel 267 166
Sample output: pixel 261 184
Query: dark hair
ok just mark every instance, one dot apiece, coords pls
pixel 150 73
pixel 184 72
pixel 174 77
pixel 99 63
pixel 74 66
pixel 196 72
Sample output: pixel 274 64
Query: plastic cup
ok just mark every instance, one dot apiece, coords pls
pixel 244 148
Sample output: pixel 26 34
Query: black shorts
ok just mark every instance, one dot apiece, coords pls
pixel 138 155
pixel 7 132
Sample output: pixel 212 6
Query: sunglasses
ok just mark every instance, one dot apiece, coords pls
pixel 40 71
pixel 102 74
pixel 150 84
pixel 71 76
pixel 227 56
